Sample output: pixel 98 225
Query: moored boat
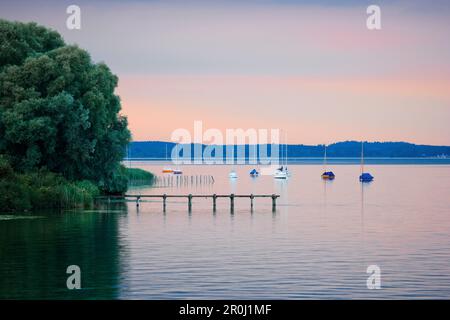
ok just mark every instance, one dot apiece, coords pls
pixel 232 175
pixel 365 176
pixel 328 175
pixel 281 173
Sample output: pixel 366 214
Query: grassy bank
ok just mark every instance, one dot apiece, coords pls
pixel 139 177
pixel 30 191
pixel 43 189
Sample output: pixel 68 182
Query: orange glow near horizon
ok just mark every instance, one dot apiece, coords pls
pixel 310 110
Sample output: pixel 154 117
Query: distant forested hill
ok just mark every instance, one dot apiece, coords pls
pixel 161 150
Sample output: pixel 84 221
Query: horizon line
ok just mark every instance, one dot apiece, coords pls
pixel 297 144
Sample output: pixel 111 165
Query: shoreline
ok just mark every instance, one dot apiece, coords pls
pixel 312 161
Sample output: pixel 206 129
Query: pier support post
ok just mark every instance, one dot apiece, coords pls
pixel 214 202
pixel 274 202
pixel 190 202
pixel 164 202
pixel 138 199
pixel 251 201
pixel 232 202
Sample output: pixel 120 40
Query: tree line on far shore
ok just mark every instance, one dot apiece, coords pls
pixel 346 149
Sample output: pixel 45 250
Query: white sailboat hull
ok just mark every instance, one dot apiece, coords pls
pixel 232 175
pixel 280 175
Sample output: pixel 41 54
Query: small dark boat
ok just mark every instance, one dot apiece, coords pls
pixel 328 175
pixel 254 173
pixel 365 177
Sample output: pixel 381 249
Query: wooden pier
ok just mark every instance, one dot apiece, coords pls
pixel 138 197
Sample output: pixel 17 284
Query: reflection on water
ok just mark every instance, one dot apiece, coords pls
pixel 317 244
pixel 35 252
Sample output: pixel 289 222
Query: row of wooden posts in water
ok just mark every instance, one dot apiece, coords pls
pixel 189 197
pixel 182 180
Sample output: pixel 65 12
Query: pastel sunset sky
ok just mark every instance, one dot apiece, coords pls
pixel 311 68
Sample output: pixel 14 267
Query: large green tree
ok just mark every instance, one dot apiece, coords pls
pixel 58 109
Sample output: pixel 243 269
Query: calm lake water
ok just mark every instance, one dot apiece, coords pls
pixel 318 244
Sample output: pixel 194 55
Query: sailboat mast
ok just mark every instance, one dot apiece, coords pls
pixel 362 157
pixel 285 151
pixel 281 151
pixel 325 158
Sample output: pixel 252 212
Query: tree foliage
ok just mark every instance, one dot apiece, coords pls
pixel 58 109
pixel 22 40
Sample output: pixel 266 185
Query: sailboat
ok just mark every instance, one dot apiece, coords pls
pixel 167 169
pixel 233 174
pixel 282 172
pixel 327 175
pixel 254 173
pixel 177 170
pixel 365 176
